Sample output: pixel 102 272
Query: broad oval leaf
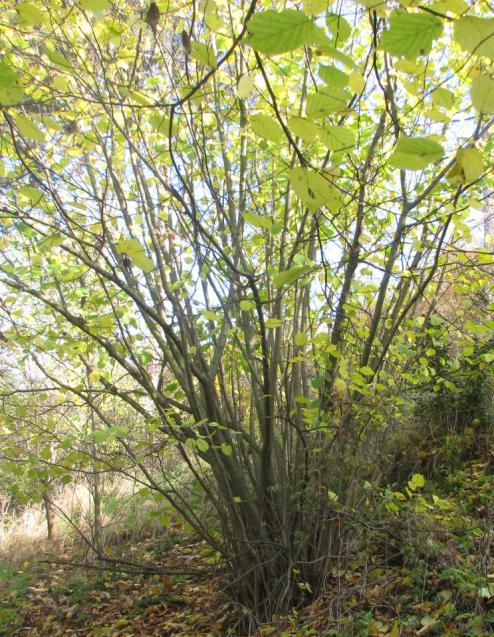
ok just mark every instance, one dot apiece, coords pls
pixel 247 305
pixel 339 27
pixel 442 97
pixel 211 316
pixel 245 87
pixel 258 221
pixel 202 444
pixel 133 249
pixel 314 7
pixel 313 189
pixel 143 262
pixel 30 194
pixel 356 82
pixel 273 33
pixel 411 34
pixel 226 449
pixel 266 127
pixel 289 276
pixel 301 338
pixel 475 35
pixel 273 323
pixel 303 128
pixel 338 138
pixel 333 76
pixel 29 14
pixel 414 153
pixel 11 91
pixel 203 54
pixel 27 128
pixel 324 103
pixel 482 94
pixel 8 76
pixel 95 5
pixel 468 167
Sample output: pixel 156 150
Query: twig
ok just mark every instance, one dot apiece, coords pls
pixel 144 570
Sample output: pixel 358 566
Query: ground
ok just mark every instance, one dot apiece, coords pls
pixel 435 578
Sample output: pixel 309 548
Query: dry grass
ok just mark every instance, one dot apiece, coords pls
pixel 23 533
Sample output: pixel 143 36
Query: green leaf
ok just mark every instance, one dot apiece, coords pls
pixel 289 276
pixel 202 444
pixel 226 449
pixel 246 305
pixel 338 138
pixel 133 249
pixel 443 97
pixel 258 221
pixel 145 357
pixel 21 411
pixel 128 246
pixel 28 128
pixel 356 82
pixel 410 67
pixel 414 153
pixel 51 124
pixel 273 33
pixel 11 91
pixel 326 46
pixel 313 188
pixel 32 195
pixel 119 431
pixel 314 7
pixel 418 480
pixel 301 338
pixel 45 454
pixel 371 4
pixel 456 7
pixel 324 103
pixel 29 14
pixel 333 76
pixel 203 54
pixel 59 59
pixel 161 124
pixel 101 436
pixel 436 115
pixel 245 87
pixel 475 35
pixel 273 323
pixel 468 167
pixel 339 27
pixel 482 94
pixel 212 20
pixel 267 127
pixel 47 243
pixel 95 5
pixel 366 371
pixel 303 128
pixel 211 316
pixel 411 34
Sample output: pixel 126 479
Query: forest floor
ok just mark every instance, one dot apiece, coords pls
pixel 440 583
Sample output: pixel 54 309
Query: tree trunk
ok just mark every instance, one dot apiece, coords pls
pixel 50 516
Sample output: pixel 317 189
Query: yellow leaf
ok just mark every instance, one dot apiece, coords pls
pixel 121 623
pixel 468 167
pixel 356 82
